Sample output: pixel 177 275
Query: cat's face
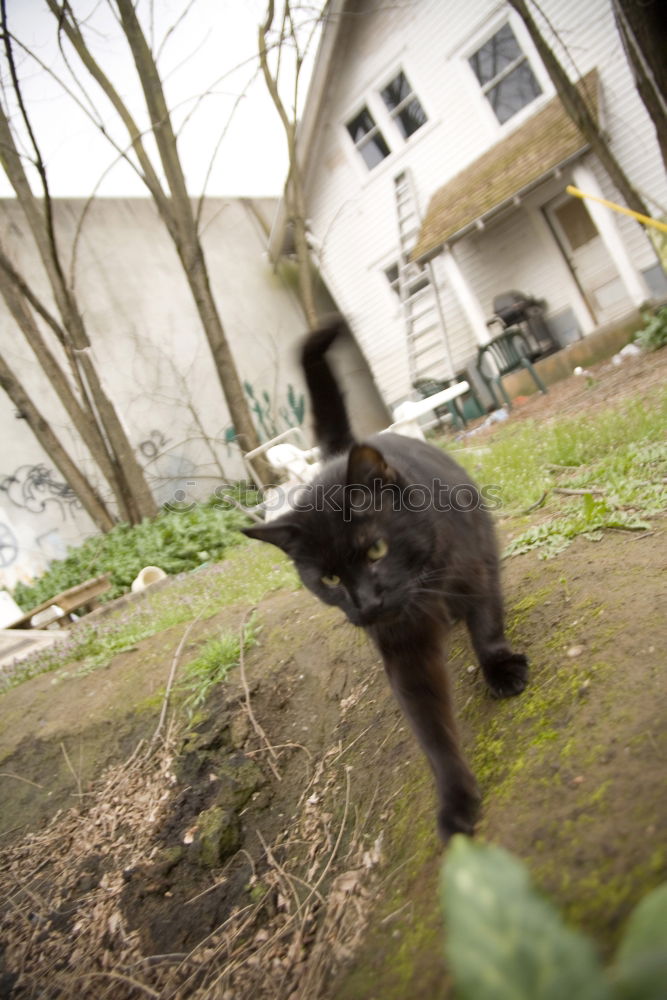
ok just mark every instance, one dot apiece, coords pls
pixel 369 563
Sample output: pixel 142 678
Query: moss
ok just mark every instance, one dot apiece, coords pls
pixel 218 836
pixel 341 638
pixel 602 892
pixel 258 892
pixel 152 704
pixel 524 732
pixel 536 741
pixel 402 951
pixel 530 601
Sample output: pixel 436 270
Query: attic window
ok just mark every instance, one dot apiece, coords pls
pixel 403 105
pixel 368 138
pixel 504 74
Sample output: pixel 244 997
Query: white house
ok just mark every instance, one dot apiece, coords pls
pixel 443 111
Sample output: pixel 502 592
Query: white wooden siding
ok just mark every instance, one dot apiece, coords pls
pixel 352 209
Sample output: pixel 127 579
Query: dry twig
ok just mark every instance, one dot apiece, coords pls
pixel 248 707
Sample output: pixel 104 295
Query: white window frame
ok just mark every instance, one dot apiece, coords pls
pixel 475 42
pixel 367 138
pixel 395 112
pixel 373 102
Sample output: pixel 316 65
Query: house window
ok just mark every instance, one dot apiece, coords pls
pixel 368 138
pixel 504 74
pixel 403 105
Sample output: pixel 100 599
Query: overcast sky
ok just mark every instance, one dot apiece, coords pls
pixel 213 47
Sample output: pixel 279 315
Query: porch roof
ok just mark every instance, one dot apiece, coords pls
pixel 547 141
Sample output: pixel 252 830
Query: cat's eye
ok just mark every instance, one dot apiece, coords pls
pixel 331 581
pixel 378 550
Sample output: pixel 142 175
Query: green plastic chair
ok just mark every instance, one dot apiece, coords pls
pixel 510 352
pixel 456 407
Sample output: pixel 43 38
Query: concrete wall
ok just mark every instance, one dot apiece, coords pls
pixel 154 360
pixel 353 209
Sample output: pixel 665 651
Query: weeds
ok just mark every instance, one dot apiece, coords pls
pixel 585 476
pixel 653 335
pixel 175 540
pixel 217 657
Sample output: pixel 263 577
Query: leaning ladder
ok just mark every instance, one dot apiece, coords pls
pixel 428 349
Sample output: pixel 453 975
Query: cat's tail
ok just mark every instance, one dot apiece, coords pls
pixel 331 424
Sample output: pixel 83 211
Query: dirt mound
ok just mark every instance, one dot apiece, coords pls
pixel 281 843
pixel 284 845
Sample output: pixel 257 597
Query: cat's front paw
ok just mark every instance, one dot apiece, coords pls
pixel 459 815
pixel 507 675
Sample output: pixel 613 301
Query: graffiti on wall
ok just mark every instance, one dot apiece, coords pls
pixel 9 547
pixel 269 417
pixel 34 488
pixel 155 443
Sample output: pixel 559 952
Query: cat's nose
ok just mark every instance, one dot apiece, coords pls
pixel 371 608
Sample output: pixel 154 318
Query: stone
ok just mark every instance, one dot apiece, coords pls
pixel 239 729
pixel 239 778
pixel 218 836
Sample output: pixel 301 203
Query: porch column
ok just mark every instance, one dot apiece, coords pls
pixel 470 306
pixel 605 223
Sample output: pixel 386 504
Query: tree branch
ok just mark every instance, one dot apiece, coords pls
pixel 73 32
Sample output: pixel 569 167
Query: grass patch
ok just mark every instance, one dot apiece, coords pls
pixel 215 660
pixel 245 577
pixel 619 455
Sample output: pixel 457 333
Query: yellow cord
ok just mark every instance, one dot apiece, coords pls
pixel 645 219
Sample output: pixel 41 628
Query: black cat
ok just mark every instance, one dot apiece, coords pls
pixel 392 531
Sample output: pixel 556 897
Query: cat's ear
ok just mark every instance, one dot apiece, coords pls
pixel 284 534
pixel 367 467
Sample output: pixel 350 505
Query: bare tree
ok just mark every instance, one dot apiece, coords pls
pixel 102 429
pixel 296 38
pixel 176 391
pixel 21 301
pixel 642 26
pixel 89 497
pixel 172 201
pixel 580 113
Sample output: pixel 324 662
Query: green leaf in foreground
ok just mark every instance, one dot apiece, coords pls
pixel 503 940
pixel 640 970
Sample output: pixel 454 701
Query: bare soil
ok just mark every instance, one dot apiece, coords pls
pixel 599 386
pixel 300 777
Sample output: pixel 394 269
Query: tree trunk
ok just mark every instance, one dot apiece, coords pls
pixel 580 114
pixel 186 238
pixel 297 212
pixel 84 425
pixel 294 195
pixel 642 25
pixel 175 210
pixel 131 483
pixel 194 266
pixel 92 502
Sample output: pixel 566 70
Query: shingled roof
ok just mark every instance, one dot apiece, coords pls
pixel 548 140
